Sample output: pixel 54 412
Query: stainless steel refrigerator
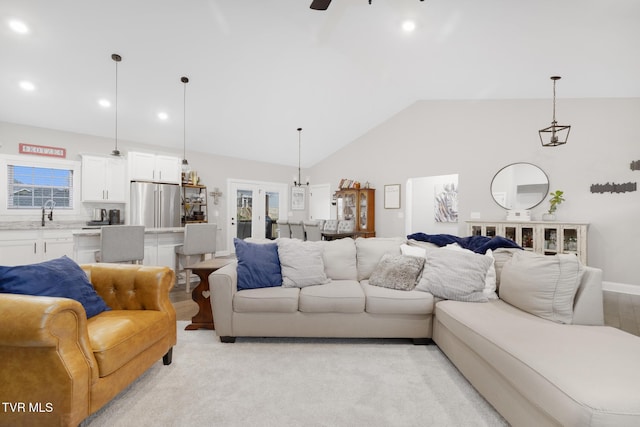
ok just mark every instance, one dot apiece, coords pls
pixel 155 205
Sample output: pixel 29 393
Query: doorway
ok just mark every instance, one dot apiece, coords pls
pixel 255 210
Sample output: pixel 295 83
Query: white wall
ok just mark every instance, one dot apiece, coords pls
pixel 213 170
pixel 475 139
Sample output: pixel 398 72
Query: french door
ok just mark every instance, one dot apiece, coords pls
pixel 257 207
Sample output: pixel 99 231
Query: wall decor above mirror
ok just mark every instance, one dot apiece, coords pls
pixel 520 186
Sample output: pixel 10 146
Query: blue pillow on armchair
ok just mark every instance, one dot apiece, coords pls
pixel 258 265
pixel 60 277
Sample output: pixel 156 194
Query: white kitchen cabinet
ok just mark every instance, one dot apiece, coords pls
pixel 32 246
pixel 154 167
pixel 103 179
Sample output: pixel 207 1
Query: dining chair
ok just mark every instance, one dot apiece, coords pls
pixel 313 229
pixel 297 230
pixel 283 228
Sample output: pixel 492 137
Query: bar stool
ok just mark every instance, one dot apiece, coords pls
pixel 199 239
pixel 121 243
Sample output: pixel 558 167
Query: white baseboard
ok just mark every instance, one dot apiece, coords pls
pixel 621 288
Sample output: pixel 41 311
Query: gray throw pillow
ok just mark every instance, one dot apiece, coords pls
pixel 397 272
pixel 455 275
pixel 301 263
pixel 542 285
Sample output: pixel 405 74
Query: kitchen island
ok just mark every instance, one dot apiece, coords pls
pixel 159 245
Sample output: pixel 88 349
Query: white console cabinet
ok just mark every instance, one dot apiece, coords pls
pixel 153 167
pixel 543 237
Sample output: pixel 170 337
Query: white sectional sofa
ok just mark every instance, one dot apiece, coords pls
pixel 533 370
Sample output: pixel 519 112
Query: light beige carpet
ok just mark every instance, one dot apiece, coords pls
pixel 296 382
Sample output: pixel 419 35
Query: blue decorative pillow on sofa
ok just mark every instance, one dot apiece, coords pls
pixel 60 277
pixel 258 265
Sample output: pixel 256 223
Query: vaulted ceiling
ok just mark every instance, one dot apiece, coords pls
pixel 259 69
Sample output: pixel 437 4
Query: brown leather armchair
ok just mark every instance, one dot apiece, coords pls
pixel 57 367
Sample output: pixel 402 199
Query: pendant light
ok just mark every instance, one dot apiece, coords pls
pixel 299 183
pixel 555 134
pixel 185 164
pixel 116 58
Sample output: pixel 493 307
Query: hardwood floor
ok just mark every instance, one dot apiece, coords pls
pixel 621 311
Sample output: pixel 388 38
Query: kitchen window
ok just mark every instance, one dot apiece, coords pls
pixel 32 187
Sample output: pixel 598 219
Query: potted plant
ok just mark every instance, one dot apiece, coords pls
pixel 554 201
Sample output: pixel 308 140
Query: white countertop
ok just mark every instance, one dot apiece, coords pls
pixel 96 231
pixel 77 227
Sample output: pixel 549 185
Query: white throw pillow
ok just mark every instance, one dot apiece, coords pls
pixel 542 285
pixel 491 277
pixel 301 263
pixel 455 275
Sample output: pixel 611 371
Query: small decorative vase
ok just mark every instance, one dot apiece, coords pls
pixel 548 217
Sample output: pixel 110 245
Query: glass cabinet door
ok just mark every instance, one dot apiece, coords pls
pixel 526 238
pixel 510 232
pixel 569 240
pixel 363 210
pixel 550 240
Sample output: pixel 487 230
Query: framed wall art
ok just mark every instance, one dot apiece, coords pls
pixel 297 198
pixel 392 196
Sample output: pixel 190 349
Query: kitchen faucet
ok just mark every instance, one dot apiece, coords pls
pixel 49 203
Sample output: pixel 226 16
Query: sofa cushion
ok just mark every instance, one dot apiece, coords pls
pixel 397 272
pixel 301 263
pixel 266 300
pixel 456 275
pixel 370 251
pixel 258 265
pixel 579 375
pixel 542 285
pixel 339 258
pixel 391 301
pixel 60 277
pixel 339 296
pixel 117 336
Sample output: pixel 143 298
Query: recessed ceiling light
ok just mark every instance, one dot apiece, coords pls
pixel 408 26
pixel 18 26
pixel 162 115
pixel 104 103
pixel 28 86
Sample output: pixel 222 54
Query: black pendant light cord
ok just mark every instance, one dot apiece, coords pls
pixel 184 80
pixel 117 58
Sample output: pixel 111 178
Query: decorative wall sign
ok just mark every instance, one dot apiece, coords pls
pixel 42 150
pixel 614 188
pixel 635 165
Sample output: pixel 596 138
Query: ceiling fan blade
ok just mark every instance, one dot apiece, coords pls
pixel 320 4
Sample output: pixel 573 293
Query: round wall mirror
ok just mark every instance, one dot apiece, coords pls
pixel 520 186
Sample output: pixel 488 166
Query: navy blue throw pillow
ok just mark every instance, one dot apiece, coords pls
pixel 258 265
pixel 60 277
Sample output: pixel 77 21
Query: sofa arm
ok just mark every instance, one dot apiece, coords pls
pixel 45 352
pixel 588 308
pixel 132 286
pixel 223 284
